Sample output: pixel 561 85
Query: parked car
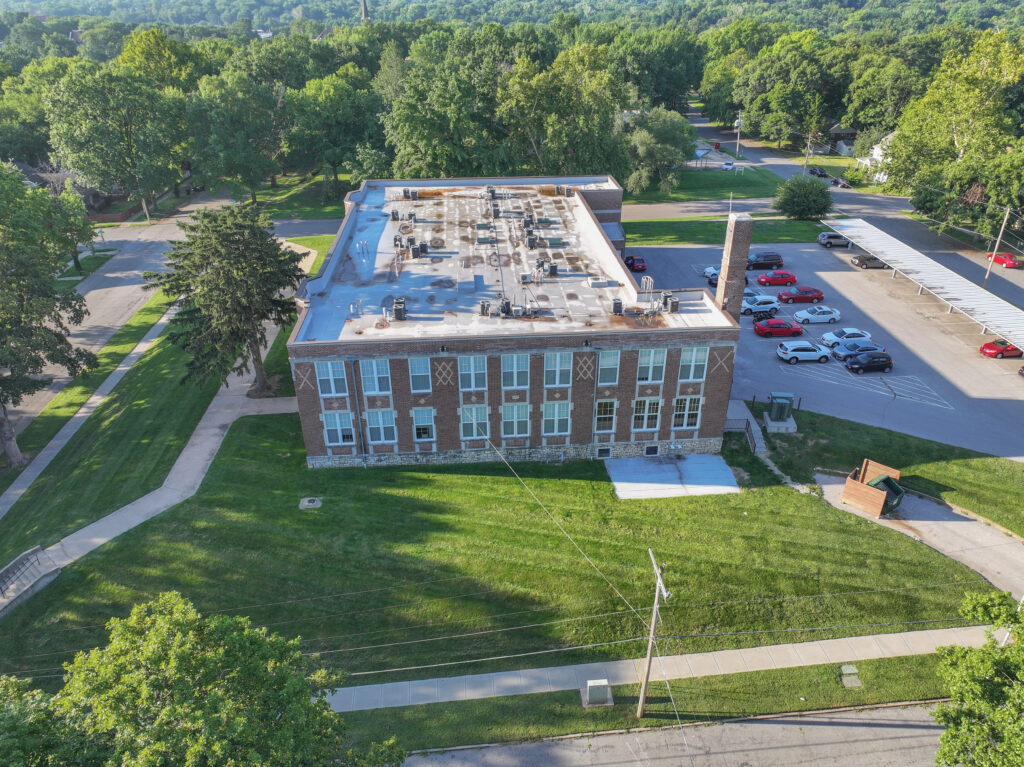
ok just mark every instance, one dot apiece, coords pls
pixel 728 165
pixel 636 263
pixel 837 337
pixel 751 292
pixel 868 262
pixel 1000 348
pixel 713 280
pixel 764 260
pixel 774 327
pixel 801 294
pixel 760 304
pixel 817 314
pixel 833 240
pixel 1006 260
pixel 853 348
pixel 842 183
pixel 862 363
pixel 777 277
pixel 801 351
pixel 711 271
pixel 816 171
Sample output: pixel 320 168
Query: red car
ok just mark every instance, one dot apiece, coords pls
pixel 999 349
pixel 775 327
pixel 777 277
pixel 636 263
pixel 801 294
pixel 1005 260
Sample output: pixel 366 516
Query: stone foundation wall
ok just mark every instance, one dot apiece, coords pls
pixel 546 454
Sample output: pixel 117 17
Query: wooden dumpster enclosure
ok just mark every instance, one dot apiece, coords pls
pixel 859 494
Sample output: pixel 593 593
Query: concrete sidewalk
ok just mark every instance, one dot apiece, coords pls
pixel 477 686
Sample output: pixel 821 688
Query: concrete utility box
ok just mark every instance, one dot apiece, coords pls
pixel 597 693
pixel 778 419
pixel 873 488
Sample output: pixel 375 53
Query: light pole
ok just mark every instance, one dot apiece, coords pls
pixel 738 123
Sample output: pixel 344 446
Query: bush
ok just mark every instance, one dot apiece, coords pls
pixel 856 176
pixel 803 197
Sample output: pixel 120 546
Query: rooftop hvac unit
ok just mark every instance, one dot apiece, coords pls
pixel 552 269
pixel 423 248
pixel 531 242
pixel 506 307
pixel 490 192
pixel 666 297
pixel 531 308
pixel 518 310
pixel 616 306
pixel 405 194
pixel 412 216
pixel 394 215
pixel 398 240
pixel 525 278
pixel 485 308
pixel 559 190
pixel 400 308
pixel 414 195
pixel 411 242
pixel 569 191
pixel 673 305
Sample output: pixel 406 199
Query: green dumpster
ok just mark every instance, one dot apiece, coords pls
pixel 893 492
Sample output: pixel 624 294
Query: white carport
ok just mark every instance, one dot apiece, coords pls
pixel 991 312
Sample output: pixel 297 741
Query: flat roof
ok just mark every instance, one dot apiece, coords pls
pixel 972 300
pixel 566 283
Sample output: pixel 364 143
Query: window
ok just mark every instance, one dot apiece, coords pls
pixel 419 374
pixel 608 368
pixel 472 373
pixel 338 428
pixel 515 371
pixel 376 376
pixel 380 425
pixel 474 422
pixel 651 368
pixel 556 418
pixel 693 364
pixel 515 420
pixel 557 368
pixel 645 414
pixel 687 413
pixel 604 452
pixel 330 377
pixel 605 415
pixel 423 424
pixel 651 450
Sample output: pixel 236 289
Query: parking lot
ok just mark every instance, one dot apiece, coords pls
pixel 940 388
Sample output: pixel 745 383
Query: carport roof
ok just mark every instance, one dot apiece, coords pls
pixel 989 311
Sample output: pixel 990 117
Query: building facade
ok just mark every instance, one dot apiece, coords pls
pixel 469 320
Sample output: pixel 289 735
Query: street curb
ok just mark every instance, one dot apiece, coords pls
pixel 707 723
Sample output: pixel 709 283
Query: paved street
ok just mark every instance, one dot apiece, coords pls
pixel 884 737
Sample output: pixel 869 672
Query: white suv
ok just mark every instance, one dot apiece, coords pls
pixel 760 304
pixel 801 351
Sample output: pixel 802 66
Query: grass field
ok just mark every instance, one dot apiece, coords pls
pixel 90 263
pixel 300 197
pixel 69 399
pixel 713 184
pixel 404 567
pixel 123 451
pixel 670 231
pixel 983 484
pixel 531 717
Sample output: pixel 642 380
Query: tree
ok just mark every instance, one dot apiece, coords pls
pixel 660 144
pixel 24 99
pixel 116 130
pixel 34 315
pixel 165 62
pixel 228 276
pixel 69 224
pixel 172 687
pixel 236 135
pixel 803 197
pixel 983 719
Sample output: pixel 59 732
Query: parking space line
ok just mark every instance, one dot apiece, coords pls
pixel 899 387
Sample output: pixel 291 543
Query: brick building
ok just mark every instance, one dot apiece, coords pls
pixel 457 317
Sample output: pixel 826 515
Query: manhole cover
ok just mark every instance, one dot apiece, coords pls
pixel 310 503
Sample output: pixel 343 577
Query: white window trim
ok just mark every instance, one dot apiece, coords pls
pixel 615 381
pixel 430 379
pixel 558 369
pixel 653 356
pixel 433 426
pixel 557 406
pixel 686 402
pixel 615 415
pixel 379 413
pixel 338 416
pixel 686 368
pixel 331 377
pixel 514 406
pixel 370 373
pixel 647 400
pixel 515 371
pixel 486 423
pixel 473 372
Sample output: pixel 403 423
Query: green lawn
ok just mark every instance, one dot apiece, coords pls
pixel 123 451
pixel 543 715
pixel 399 562
pixel 713 184
pixel 300 197
pixel 90 263
pixel 983 484
pixel 69 399
pixel 321 243
pixel 671 231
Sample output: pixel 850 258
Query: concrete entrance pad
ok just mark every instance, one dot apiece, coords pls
pixel 696 474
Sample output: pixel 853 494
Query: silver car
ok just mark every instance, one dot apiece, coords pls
pixel 837 337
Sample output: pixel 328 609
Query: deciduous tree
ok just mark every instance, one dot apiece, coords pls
pixel 228 275
pixel 803 197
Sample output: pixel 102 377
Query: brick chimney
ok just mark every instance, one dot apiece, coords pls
pixel 729 295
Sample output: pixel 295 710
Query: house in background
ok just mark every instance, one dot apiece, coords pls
pixel 874 164
pixel 841 134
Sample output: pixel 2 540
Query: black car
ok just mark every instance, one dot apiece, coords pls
pixel 764 260
pixel 713 280
pixel 819 172
pixel 862 363
pixel 868 262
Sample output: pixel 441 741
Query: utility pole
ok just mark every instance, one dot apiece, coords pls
pixel 807 152
pixel 739 127
pixel 999 241
pixel 659 592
